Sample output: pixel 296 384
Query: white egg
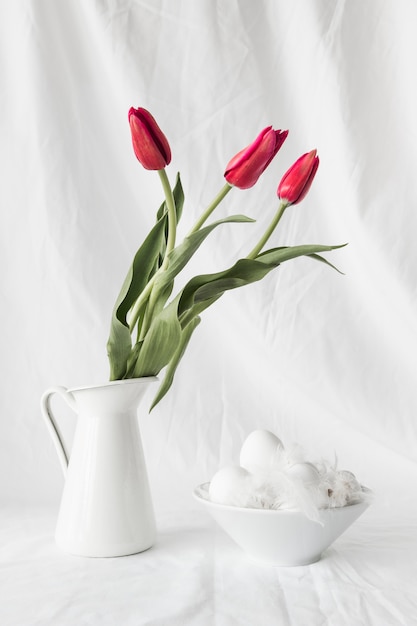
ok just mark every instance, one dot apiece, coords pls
pixel 260 451
pixel 304 472
pixel 230 485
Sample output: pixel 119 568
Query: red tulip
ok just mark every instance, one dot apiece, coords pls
pixel 149 142
pixel 297 180
pixel 247 165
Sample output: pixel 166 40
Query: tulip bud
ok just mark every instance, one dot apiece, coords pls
pixel 247 165
pixel 149 142
pixel 297 180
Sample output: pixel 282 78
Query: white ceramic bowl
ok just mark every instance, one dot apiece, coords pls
pixel 278 537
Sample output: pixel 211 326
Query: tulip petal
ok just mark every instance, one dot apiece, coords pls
pixel 150 145
pixel 244 169
pixel 297 180
pixel 247 152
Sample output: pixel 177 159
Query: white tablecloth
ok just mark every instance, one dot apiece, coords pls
pixel 195 575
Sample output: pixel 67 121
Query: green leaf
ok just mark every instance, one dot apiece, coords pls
pixel 133 357
pixel 280 255
pixel 174 362
pixel 182 253
pixel 180 256
pixel 317 257
pixel 201 291
pixel 160 342
pixel 207 288
pixel 119 343
pixel 198 308
pixel 139 273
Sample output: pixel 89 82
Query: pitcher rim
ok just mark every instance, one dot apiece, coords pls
pixel 114 383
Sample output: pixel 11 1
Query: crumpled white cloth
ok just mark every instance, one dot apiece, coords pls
pixel 325 360
pixel 196 576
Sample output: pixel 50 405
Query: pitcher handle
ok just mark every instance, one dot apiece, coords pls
pixel 52 424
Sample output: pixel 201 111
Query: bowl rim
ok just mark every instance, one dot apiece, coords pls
pixel 252 511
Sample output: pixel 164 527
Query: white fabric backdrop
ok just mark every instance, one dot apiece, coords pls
pixel 326 360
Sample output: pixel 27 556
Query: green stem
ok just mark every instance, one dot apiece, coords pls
pixel 222 193
pixel 254 253
pixel 148 313
pixel 140 303
pixel 172 231
pixel 140 323
pixel 172 216
pixel 186 318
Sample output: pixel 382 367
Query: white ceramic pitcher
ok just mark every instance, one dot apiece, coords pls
pixel 106 508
